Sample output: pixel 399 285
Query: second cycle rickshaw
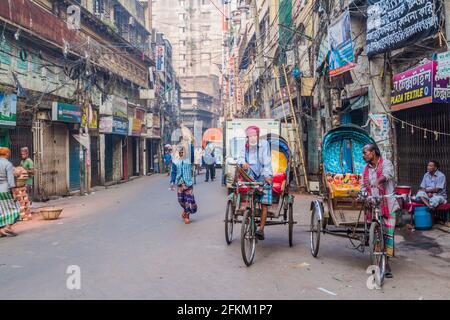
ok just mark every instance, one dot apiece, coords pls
pixel 348 212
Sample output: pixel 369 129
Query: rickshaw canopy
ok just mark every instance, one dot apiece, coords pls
pixel 342 149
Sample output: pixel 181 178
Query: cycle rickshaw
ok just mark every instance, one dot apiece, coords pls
pixel 345 215
pixel 243 208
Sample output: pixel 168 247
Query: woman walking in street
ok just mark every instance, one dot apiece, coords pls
pixel 182 176
pixel 9 210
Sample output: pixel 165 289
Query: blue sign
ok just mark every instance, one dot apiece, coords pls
pixel 120 126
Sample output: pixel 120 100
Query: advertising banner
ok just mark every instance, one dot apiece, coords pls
pixel 340 45
pixel 160 56
pixel 8 110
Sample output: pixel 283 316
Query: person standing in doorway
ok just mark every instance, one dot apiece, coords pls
pixel 28 165
pixel 210 162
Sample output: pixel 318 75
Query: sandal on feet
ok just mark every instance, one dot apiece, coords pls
pixel 187 221
pixel 10 233
pixel 389 275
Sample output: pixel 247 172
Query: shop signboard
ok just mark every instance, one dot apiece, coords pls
pixel 396 24
pixel 93 124
pixel 8 110
pixel 419 86
pixel 281 111
pixel 138 120
pixel 130 120
pixel 113 125
pixel 65 112
pixel 106 108
pixel 120 107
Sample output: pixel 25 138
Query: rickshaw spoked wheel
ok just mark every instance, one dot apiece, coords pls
pixel 316 229
pixel 248 237
pixel 376 249
pixel 291 224
pixel 229 222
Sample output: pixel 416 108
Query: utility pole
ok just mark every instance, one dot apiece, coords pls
pixel 259 58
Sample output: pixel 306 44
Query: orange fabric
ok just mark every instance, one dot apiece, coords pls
pixel 4 151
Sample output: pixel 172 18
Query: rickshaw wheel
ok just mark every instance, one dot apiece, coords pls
pixel 376 249
pixel 316 228
pixel 291 224
pixel 229 222
pixel 248 238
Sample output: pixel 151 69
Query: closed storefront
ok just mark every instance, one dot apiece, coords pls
pixel 95 167
pixel 54 177
pixel 109 157
pixel 60 152
pixel 114 130
pixel 74 164
pixel 415 148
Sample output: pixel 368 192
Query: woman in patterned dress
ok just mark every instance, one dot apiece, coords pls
pixel 181 175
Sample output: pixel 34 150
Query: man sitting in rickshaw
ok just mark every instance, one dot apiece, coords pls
pixel 256 159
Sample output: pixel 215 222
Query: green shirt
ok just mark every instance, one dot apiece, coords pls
pixel 28 164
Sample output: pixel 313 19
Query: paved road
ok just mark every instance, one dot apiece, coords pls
pixel 131 243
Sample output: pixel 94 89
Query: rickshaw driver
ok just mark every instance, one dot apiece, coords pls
pixel 379 174
pixel 256 159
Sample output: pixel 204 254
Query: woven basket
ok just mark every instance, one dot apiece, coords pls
pixel 50 213
pixel 21 183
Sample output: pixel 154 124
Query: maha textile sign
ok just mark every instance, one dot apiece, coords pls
pixel 340 44
pixel 393 24
pixel 66 112
pixel 8 109
pixel 418 86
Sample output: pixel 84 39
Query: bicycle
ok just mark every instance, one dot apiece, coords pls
pixel 249 222
pixel 376 233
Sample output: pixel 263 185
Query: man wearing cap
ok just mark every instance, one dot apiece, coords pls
pixel 256 159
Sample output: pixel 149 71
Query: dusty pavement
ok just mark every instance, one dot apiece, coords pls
pixel 130 243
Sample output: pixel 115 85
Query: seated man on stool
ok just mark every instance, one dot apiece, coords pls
pixel 432 190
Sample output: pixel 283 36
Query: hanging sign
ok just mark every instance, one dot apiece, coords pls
pixel 340 44
pixel 396 24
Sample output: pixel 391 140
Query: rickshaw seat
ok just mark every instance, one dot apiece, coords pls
pixel 278 179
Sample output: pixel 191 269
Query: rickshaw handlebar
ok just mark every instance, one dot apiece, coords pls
pixel 365 196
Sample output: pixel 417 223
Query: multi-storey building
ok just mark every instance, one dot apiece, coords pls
pixel 194 29
pixel 71 76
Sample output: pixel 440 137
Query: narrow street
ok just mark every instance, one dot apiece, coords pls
pixel 130 243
